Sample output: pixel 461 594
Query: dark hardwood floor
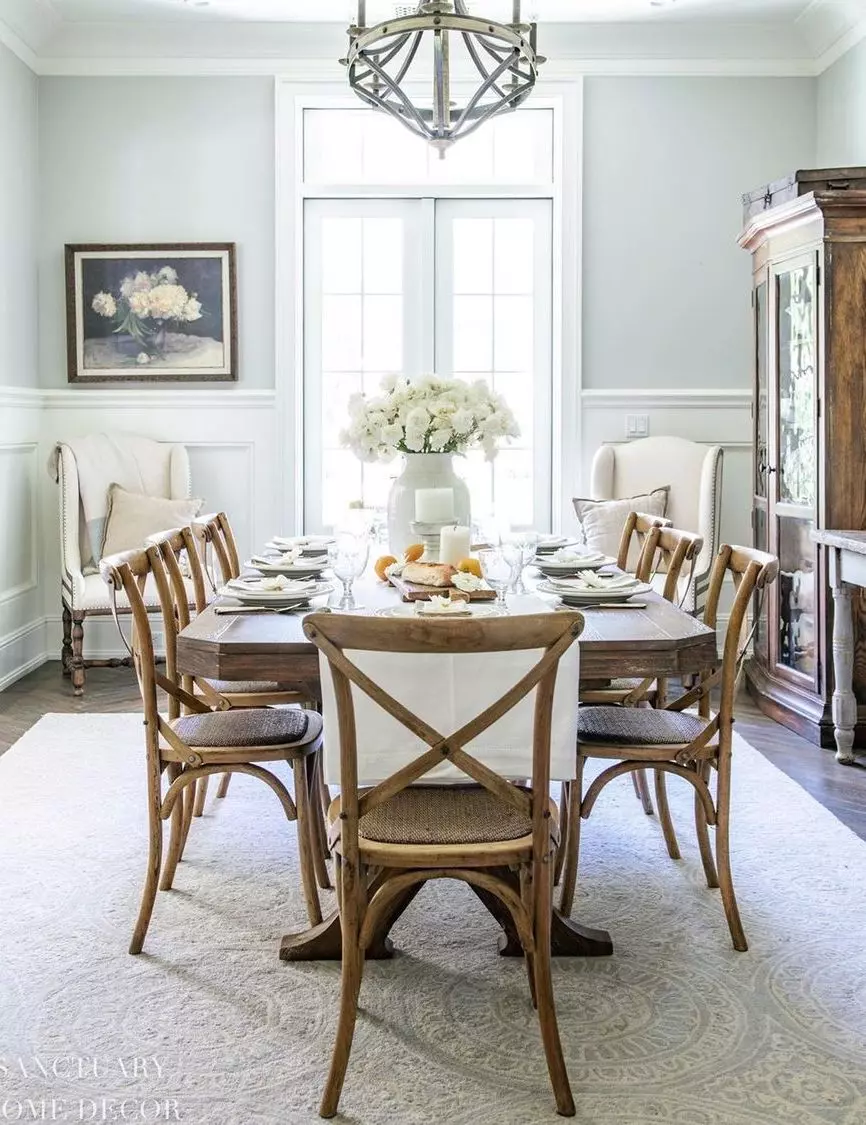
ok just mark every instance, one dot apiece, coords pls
pixel 841 789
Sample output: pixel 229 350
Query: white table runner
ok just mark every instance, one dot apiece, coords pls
pixel 448 691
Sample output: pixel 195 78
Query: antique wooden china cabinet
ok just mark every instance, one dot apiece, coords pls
pixel 807 237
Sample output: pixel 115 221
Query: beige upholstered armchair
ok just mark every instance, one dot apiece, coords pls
pixel 694 474
pixel 85 468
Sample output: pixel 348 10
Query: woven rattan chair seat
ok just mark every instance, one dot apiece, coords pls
pixel 444 814
pixel 259 726
pixel 637 726
pixel 249 687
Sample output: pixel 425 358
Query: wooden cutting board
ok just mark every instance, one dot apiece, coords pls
pixel 415 592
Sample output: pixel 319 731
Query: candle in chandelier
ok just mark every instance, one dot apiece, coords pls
pixel 453 544
pixel 434 505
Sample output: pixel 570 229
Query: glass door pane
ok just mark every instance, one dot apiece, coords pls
pixel 493 322
pixel 797 596
pixel 362 307
pixel 762 408
pixel 797 350
pixel 762 602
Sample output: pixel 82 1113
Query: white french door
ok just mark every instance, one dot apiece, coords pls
pixel 411 286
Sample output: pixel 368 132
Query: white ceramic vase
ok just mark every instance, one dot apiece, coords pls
pixel 422 470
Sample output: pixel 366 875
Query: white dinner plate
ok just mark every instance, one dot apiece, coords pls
pixel 250 593
pixel 407 609
pixel 588 597
pixel 309 544
pixel 589 562
pixel 297 569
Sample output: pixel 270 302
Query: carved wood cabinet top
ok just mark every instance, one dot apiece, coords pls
pixel 846 540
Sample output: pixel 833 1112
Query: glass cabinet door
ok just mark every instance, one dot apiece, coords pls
pixel 797 359
pixel 795 470
pixel 762 460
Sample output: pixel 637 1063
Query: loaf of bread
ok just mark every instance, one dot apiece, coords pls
pixel 428 574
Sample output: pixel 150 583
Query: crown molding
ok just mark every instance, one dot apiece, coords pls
pixel 841 47
pixel 323 70
pixel 18 47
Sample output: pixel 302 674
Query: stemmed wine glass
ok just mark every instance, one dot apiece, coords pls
pixel 497 570
pixel 526 544
pixel 348 556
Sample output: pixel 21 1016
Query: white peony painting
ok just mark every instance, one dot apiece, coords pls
pixel 151 313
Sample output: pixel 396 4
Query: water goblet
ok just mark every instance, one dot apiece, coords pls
pixel 526 544
pixel 497 571
pixel 348 556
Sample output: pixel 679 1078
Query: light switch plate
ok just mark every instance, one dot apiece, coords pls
pixel 636 425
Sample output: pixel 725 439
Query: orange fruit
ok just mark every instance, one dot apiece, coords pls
pixel 470 566
pixel 414 552
pixel 381 566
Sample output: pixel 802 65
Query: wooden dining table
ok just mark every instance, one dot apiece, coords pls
pixel 654 639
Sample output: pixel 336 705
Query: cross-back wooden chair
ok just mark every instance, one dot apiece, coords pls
pixel 408 833
pixel 181 551
pixel 220 563
pixel 185 747
pixel 667 552
pixel 637 529
pixel 673 740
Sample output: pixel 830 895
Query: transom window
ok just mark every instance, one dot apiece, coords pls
pixel 448 273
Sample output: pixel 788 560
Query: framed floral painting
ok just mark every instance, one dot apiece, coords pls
pixel 151 312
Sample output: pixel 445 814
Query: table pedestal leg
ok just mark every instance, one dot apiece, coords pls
pixel 844 705
pixel 567 937
pixel 324 942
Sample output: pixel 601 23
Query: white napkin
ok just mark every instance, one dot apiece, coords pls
pixel 439 606
pixel 468 583
pixel 276 584
pixel 591 582
pixel 569 556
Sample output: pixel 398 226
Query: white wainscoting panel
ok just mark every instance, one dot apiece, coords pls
pixel 22 616
pixel 235 446
pixel 715 417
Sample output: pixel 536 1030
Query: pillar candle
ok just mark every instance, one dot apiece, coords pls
pixel 434 505
pixel 453 544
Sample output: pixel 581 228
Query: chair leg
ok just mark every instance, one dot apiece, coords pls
pixel 224 785
pixel 563 830
pixel 66 649
pixel 571 838
pixel 200 795
pixel 76 666
pixel 665 813
pixel 305 842
pixel 526 893
pixel 318 840
pixel 703 834
pixel 723 857
pixel 154 862
pixel 175 844
pixel 188 803
pixel 350 988
pixel 641 789
pixel 546 1004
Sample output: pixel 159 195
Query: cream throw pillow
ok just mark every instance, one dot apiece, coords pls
pixel 602 521
pixel 132 517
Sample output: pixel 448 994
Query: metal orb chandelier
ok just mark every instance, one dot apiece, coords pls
pixel 384 59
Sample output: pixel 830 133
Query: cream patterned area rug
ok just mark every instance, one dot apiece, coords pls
pixel 208 1026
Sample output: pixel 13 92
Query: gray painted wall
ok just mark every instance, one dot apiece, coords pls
pixel 842 111
pixel 159 160
pixel 18 193
pixel 666 288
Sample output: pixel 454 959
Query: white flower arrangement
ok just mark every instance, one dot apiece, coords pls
pixel 428 415
pixel 146 303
